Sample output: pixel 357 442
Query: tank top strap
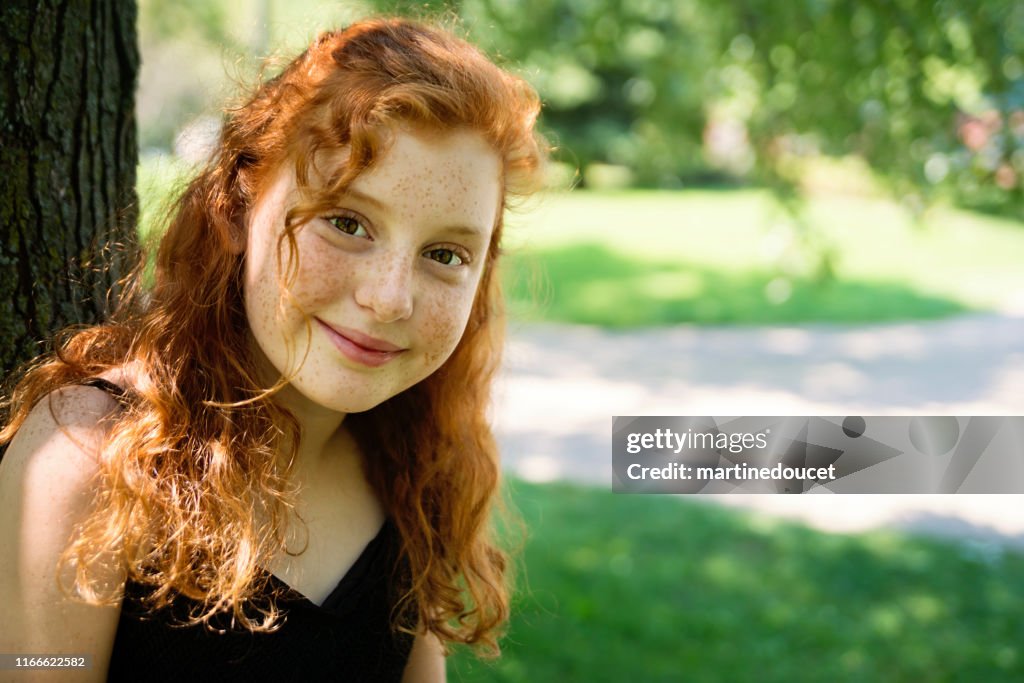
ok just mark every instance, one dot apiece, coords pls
pixel 114 390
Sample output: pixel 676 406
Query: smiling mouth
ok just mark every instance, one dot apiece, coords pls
pixel 361 348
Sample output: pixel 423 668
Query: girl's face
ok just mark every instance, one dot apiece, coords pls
pixel 386 280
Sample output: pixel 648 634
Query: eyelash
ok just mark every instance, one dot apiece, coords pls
pixel 460 254
pixel 455 252
pixel 334 220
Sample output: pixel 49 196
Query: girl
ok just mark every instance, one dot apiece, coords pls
pixel 274 463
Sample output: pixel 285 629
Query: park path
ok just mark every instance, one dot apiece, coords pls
pixel 561 385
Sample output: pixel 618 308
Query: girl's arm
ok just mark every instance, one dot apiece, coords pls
pixel 426 661
pixel 46 480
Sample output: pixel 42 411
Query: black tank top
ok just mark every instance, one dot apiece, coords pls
pixel 347 638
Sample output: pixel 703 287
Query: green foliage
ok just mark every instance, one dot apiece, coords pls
pixel 930 93
pixel 652 588
pixel 207 21
pixel 622 81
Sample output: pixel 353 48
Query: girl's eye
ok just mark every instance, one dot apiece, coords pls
pixel 445 256
pixel 348 225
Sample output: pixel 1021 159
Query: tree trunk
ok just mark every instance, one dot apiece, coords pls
pixel 68 152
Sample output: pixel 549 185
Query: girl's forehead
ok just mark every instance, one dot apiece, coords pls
pixel 460 156
pixel 414 151
pixel 452 170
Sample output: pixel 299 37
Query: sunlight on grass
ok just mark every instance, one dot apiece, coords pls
pixel 647 258
pixel 658 588
pixel 670 285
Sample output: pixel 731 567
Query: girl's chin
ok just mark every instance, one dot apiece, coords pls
pixel 346 404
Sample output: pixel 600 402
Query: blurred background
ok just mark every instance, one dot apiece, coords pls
pixel 804 208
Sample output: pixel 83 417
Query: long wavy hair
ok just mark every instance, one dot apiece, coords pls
pixel 195 472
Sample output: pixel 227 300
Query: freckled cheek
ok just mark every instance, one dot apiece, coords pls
pixel 261 293
pixel 442 323
pixel 321 277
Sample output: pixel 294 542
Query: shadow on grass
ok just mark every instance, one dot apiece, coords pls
pixel 649 588
pixel 590 284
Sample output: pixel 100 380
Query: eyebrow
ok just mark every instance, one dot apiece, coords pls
pixel 373 201
pixel 464 230
pixel 362 196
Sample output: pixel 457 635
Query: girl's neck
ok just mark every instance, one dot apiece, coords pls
pixel 323 439
pixel 320 427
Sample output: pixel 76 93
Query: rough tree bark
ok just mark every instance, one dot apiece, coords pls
pixel 68 152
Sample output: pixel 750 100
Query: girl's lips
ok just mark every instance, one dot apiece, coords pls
pixel 361 348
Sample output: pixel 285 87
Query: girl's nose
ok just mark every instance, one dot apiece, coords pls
pixel 386 290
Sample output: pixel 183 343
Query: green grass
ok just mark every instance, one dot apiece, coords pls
pixel 713 257
pixel 651 588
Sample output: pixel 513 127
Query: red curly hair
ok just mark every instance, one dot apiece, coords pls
pixel 201 445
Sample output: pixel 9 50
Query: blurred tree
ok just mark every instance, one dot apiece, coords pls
pixel 930 93
pixel 68 154
pixel 192 49
pixel 622 80
pixel 206 20
pixel 412 8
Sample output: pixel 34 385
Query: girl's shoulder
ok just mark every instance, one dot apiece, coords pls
pixel 47 487
pixel 66 427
